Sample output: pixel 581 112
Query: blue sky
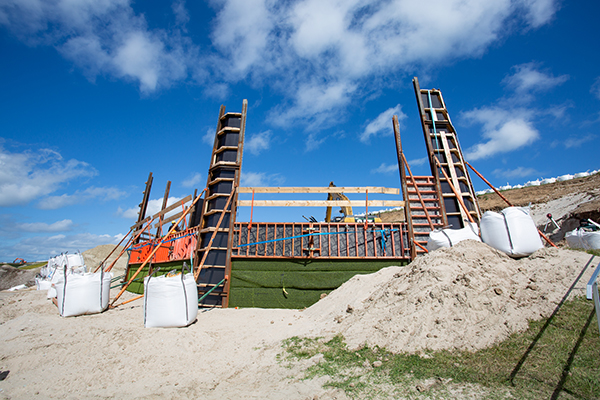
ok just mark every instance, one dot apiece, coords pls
pixel 94 95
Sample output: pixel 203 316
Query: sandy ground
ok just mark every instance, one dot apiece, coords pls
pixel 470 296
pixel 226 354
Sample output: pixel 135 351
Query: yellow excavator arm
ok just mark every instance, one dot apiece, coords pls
pixel 346 210
pixel 348 214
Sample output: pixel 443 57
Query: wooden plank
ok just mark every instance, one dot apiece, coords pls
pixel 171 218
pixel 139 224
pixel 320 203
pixel 353 189
pixel 174 206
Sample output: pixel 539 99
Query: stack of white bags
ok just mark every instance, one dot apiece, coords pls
pixel 77 291
pixel 169 301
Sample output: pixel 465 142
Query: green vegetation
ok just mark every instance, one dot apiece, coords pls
pixel 594 252
pixel 557 356
pixel 34 265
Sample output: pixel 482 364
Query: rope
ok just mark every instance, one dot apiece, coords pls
pixel 166 241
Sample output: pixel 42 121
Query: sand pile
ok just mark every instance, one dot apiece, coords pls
pixel 11 276
pixel 95 256
pixel 466 297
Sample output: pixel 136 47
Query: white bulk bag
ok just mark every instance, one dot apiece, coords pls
pixel 512 231
pixel 170 302
pixel 74 260
pixel 449 237
pixel 42 284
pixel 73 263
pixel 79 294
pixel 581 239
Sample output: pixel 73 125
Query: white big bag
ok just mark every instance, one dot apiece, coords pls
pixel 170 302
pixel 449 237
pixel 79 294
pixel 512 231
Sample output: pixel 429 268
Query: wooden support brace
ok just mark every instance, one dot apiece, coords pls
pixel 152 253
pixel 458 195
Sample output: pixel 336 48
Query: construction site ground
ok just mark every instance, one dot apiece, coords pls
pixel 467 298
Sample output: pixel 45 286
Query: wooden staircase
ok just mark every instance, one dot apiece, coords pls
pixel 423 208
pixel 421 194
pixel 212 258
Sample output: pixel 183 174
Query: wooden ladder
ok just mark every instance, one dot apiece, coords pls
pixel 442 144
pixel 212 257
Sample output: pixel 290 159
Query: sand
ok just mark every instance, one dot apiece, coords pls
pixel 98 254
pixel 467 297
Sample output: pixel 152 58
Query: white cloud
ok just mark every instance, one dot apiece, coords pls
pixel 385 169
pixel 154 206
pixel 539 12
pixel 242 30
pixel 41 248
pixel 258 179
pixel 320 54
pixel 209 137
pixel 314 103
pixel 504 131
pixel 30 175
pixel 182 16
pixel 323 53
pixel 519 172
pixel 258 142
pixel 130 213
pixel 192 181
pixel 578 141
pixel 528 78
pixel 38 227
pixel 98 193
pixel 107 37
pixel 382 124
pixel 417 161
pixel 595 89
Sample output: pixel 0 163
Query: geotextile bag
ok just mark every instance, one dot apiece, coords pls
pixel 170 301
pixel 512 231
pixel 79 294
pixel 449 237
pixel 582 239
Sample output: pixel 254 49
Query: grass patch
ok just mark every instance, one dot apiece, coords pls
pixel 594 252
pixel 34 265
pixel 555 357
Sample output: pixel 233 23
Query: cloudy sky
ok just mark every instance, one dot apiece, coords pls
pixel 95 94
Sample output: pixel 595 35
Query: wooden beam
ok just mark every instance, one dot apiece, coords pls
pixel 321 203
pixel 353 189
pixel 173 206
pixel 139 224
pixel 171 218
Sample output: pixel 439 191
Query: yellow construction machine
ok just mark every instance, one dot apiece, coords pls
pixel 346 211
